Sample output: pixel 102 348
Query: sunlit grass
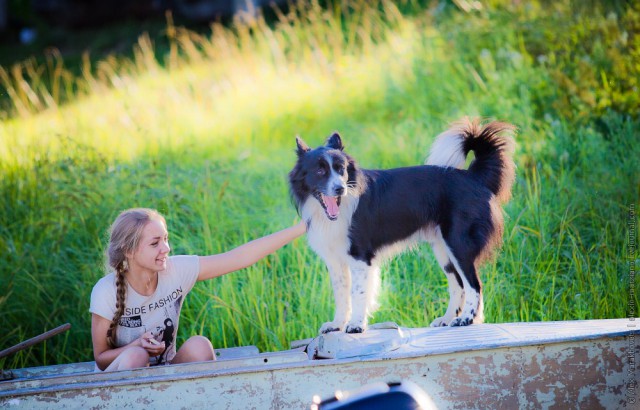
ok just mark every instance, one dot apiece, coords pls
pixel 206 135
pixel 228 86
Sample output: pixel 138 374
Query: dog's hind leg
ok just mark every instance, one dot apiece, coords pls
pixel 341 283
pixel 472 311
pixel 456 290
pixel 364 288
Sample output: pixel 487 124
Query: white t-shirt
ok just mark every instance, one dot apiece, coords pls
pixel 158 313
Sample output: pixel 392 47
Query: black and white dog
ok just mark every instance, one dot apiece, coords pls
pixel 359 218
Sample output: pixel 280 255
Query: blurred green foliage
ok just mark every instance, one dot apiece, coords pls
pixel 589 49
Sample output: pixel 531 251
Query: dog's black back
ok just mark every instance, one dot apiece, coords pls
pixel 399 202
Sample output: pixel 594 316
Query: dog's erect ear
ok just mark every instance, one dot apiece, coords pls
pixel 303 148
pixel 335 142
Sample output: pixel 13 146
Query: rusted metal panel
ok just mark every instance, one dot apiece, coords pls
pixel 586 365
pixel 143 375
pixel 577 375
pixel 84 367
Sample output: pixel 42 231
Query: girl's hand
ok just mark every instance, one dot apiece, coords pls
pixel 301 227
pixel 151 345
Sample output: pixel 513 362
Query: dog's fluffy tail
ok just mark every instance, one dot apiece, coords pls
pixel 493 147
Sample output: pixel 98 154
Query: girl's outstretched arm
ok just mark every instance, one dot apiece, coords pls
pixel 247 254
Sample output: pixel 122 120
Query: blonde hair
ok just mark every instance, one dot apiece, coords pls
pixel 124 237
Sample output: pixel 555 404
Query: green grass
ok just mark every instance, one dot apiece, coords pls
pixel 205 134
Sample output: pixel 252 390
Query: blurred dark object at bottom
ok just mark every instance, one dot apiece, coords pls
pixel 405 395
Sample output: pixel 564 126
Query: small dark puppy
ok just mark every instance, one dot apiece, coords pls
pixel 358 218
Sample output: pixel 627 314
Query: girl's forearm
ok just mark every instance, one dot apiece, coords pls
pixel 253 251
pixel 104 359
pixel 245 255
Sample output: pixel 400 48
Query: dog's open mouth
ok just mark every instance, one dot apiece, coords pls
pixel 331 205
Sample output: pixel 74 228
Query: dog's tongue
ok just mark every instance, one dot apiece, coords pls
pixel 332 205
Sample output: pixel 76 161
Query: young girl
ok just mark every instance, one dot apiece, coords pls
pixel 135 309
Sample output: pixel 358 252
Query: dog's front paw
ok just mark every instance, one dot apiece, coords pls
pixel 439 322
pixel 461 321
pixel 355 328
pixel 329 327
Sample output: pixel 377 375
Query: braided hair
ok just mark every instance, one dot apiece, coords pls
pixel 124 238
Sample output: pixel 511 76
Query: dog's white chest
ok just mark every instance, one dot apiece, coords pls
pixel 328 238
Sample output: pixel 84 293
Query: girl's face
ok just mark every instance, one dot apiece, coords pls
pixel 153 248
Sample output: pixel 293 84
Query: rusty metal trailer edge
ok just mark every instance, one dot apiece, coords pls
pixel 585 364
